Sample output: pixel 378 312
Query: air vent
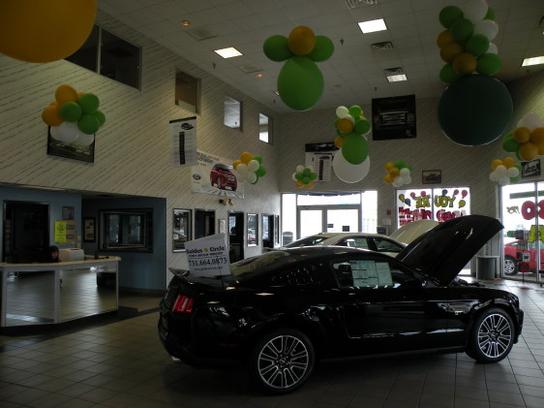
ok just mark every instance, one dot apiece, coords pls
pixel 200 34
pixel 384 45
pixel 353 4
pixel 249 69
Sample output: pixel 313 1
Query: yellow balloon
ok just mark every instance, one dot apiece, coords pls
pixel 444 38
pixel 394 172
pixel 246 157
pixel 495 163
pixel 537 135
pixel 50 115
pixel 344 125
pixel 464 63
pixel 528 151
pixel 508 162
pixel 389 165
pixel 339 141
pixel 301 40
pixel 44 31
pixel 540 146
pixel 522 135
pixel 388 178
pixel 65 93
pixel 450 51
pixel 235 163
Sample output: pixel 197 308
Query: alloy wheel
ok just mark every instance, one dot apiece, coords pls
pixel 509 267
pixel 283 362
pixel 494 335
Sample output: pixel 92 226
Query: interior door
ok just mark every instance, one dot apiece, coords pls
pixel 236 236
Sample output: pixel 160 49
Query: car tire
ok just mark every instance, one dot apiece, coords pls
pixel 281 361
pixel 510 266
pixel 492 336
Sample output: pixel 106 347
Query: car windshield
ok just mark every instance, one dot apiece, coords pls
pixel 308 241
pixel 250 267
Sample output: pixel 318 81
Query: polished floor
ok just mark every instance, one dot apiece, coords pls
pixel 122 364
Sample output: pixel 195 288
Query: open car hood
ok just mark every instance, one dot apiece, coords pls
pixel 409 232
pixel 442 252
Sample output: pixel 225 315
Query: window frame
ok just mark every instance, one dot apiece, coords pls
pixel 147 245
pixel 241 113
pixel 269 126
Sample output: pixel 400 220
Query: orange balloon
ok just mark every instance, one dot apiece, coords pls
pixel 508 162
pixel 50 115
pixel 44 31
pixel 301 40
pixel 464 63
pixel 444 38
pixel 495 163
pixel 344 125
pixel 389 165
pixel 339 141
pixel 540 146
pixel 450 51
pixel 528 151
pixel 246 157
pixel 235 163
pixel 388 178
pixel 394 172
pixel 537 135
pixel 522 135
pixel 65 93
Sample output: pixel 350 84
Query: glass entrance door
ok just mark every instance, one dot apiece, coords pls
pixel 328 218
pixel 310 222
pixel 343 220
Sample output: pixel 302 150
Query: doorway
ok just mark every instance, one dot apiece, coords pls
pixel 236 236
pixel 329 218
pixel 267 222
pixel 204 223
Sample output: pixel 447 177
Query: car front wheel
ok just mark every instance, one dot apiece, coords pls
pixel 510 266
pixel 282 361
pixel 492 336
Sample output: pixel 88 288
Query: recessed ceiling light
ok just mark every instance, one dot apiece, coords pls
pixel 397 78
pixel 372 26
pixel 533 61
pixel 185 23
pixel 259 75
pixel 228 52
pixel 277 92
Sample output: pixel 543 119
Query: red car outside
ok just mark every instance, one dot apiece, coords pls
pixel 222 177
pixel 519 257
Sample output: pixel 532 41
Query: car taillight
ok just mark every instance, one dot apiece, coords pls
pixel 183 304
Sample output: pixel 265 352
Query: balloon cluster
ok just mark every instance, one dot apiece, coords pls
pixel 74 117
pixel 300 82
pixel 504 171
pixel 466 44
pixel 527 140
pixel 398 173
pixel 304 177
pixel 249 168
pixel 351 126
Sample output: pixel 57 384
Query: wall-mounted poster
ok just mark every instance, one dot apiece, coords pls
pixel 183 133
pixel 319 156
pixel 431 176
pixel 65 232
pixel 394 118
pixel 181 228
pixel 82 148
pixel 89 229
pixel 214 175
pixel 252 229
pixel 530 169
pixel 439 204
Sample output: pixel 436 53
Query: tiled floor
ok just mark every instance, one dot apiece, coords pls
pixel 123 365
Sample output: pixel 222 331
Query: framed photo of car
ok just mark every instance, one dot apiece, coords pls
pixel 181 228
pixel 252 229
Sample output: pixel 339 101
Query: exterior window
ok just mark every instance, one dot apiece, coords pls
pixel 126 230
pixel 384 245
pixel 233 113
pixel 356 243
pixel 264 128
pixel 187 92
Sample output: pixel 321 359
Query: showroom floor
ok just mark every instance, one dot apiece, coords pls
pixel 122 364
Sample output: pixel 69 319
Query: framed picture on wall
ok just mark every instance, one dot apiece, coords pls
pixel 68 213
pixel 252 229
pixel 81 149
pixel 431 176
pixel 181 228
pixel 89 229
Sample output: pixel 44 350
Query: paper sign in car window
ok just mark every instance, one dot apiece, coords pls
pixel 364 274
pixel 384 274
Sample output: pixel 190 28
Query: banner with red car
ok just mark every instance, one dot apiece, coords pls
pixel 215 175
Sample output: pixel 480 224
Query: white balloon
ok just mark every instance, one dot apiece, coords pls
pixel 293 176
pixel 408 180
pixel 55 133
pixel 475 10
pixel 347 172
pixel 253 165
pixel 513 172
pixel 84 139
pixel 531 121
pixel 342 111
pixel 67 133
pixel 492 49
pixel 488 28
pixel 501 171
pixel 493 177
pixel 252 177
pixel 404 172
pixel 504 181
pixel 300 168
pixel 242 171
pixel 397 180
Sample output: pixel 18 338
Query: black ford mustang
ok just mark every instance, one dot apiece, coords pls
pixel 283 310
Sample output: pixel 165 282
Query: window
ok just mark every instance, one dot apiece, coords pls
pixel 181 229
pixel 109 55
pixel 356 242
pixel 265 128
pixel 126 230
pixel 233 113
pixel 370 273
pixel 187 92
pixel 385 245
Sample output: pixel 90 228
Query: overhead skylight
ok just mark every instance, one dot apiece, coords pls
pixel 533 61
pixel 228 52
pixel 371 26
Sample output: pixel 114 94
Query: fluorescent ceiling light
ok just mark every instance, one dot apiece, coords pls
pixel 397 78
pixel 372 26
pixel 533 61
pixel 228 52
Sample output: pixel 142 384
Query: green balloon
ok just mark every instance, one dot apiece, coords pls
pixel 477 44
pixel 258 158
pixel 362 127
pixel 100 116
pixel 299 176
pixel 400 164
pixel 490 15
pixel 260 171
pixel 449 15
pixel 475 110
pixel 300 83
pixel 276 49
pixel 355 149
pixel 489 64
pixel 88 124
pixel 313 176
pixel 306 172
pixel 355 111
pixel 88 102
pixel 70 111
pixel 462 30
pixel 448 74
pixel 323 49
pixel 509 144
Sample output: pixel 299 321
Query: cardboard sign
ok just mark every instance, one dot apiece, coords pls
pixel 208 256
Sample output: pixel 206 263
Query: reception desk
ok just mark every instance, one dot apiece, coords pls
pixel 50 293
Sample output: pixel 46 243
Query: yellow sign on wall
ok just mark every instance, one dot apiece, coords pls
pixel 65 232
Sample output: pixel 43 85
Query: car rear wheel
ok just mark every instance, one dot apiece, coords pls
pixel 510 266
pixel 282 361
pixel 492 336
